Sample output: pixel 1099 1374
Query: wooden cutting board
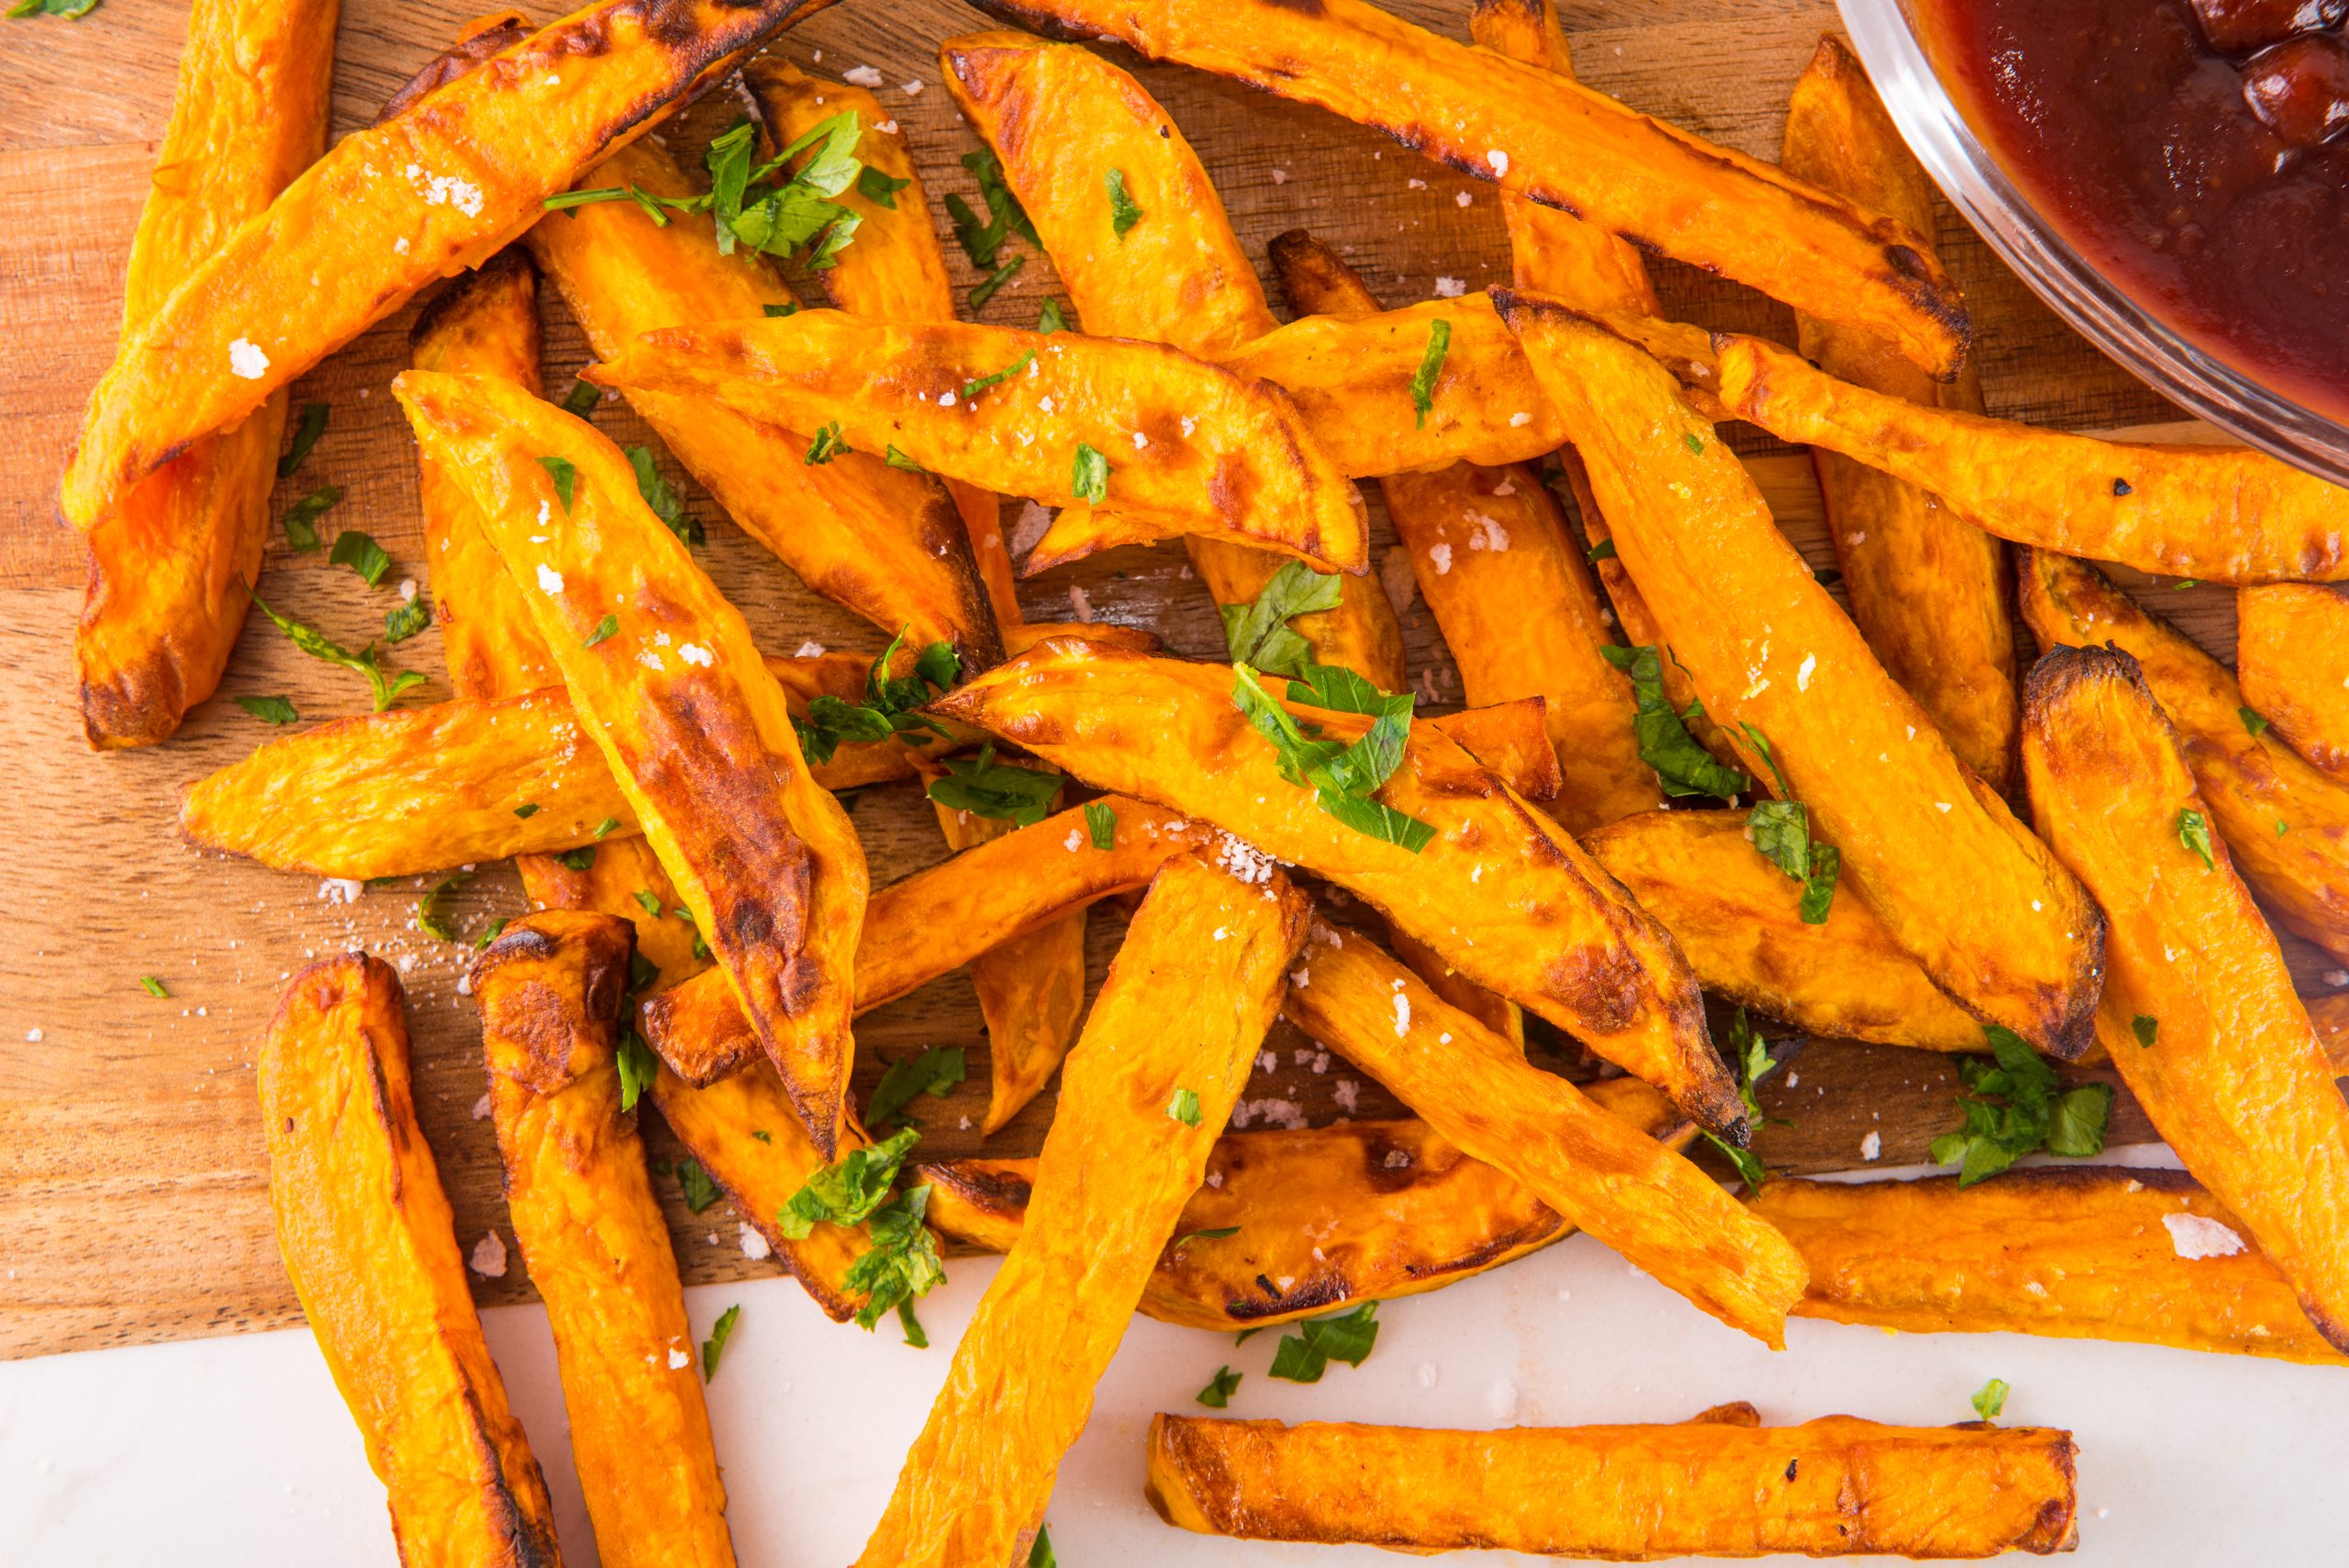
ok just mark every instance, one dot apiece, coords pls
pixel 133 1203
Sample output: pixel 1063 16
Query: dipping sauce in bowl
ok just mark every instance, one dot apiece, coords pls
pixel 2196 151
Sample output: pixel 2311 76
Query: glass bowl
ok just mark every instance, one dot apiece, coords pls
pixel 1888 36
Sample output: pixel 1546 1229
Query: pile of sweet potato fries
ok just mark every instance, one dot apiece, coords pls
pixel 1686 767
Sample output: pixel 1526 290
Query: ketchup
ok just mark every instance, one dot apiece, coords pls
pixel 2197 153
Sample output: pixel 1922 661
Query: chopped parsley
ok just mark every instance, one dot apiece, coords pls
pixel 432 910
pixel 1304 1356
pixel 849 1190
pixel 1217 1233
pixel 301 520
pixel 580 858
pixel 662 500
pixel 604 630
pixel 696 1181
pixel 1990 1399
pixel 1343 777
pixel 362 554
pixel 879 187
pixel 2252 721
pixel 526 810
pixel 387 688
pixel 565 476
pixel 270 710
pixel 152 986
pixel 583 397
pixel 1101 825
pixel 985 788
pixel 1258 633
pixel 902 1263
pixel 646 901
pixel 491 933
pixel 828 444
pixel 1683 767
pixel 2017 1106
pixel 1217 1393
pixel 896 458
pixel 1089 477
pixel 971 389
pixel 932 1071
pixel 638 1067
pixel 715 1346
pixel 986 288
pixel 1603 551
pixel 1694 442
pixel 2193 832
pixel 1052 318
pixel 1431 366
pixel 307 432
pixel 607 828
pixel 2146 1028
pixel 1750 1055
pixel 888 705
pixel 72 10
pixel 776 312
pixel 1006 218
pixel 1781 831
pixel 1185 1106
pixel 751 207
pixel 1124 212
pixel 404 619
pixel 1040 1554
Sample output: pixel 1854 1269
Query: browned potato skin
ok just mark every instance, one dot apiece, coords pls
pixel 2066 1252
pixel 703 748
pixel 1958 881
pixel 1477 1090
pixel 1116 1169
pixel 2292 658
pixel 1361 1211
pixel 170 567
pixel 2220 514
pixel 551 990
pixel 1245 468
pixel 1713 1488
pixel 2235 1082
pixel 884 544
pixel 2251 782
pixel 1552 931
pixel 369 1243
pixel 424 789
pixel 940 919
pixel 1928 589
pixel 1562 144
pixel 1508 588
pixel 1059 118
pixel 321 266
pixel 894 270
pixel 1736 917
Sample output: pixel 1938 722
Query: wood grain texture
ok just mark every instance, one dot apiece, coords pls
pixel 133 1202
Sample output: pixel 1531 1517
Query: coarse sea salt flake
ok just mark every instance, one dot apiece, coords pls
pixel 2195 1236
pixel 246 361
pixel 861 76
pixel 550 580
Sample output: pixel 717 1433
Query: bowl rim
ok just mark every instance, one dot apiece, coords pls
pixel 1885 36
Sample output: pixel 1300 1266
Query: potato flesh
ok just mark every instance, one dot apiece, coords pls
pixel 439 187
pixel 1117 1168
pixel 2286 823
pixel 1832 1488
pixel 1928 589
pixel 693 726
pixel 1548 930
pixel 2234 1080
pixel 551 989
pixel 1958 881
pixel 170 566
pixel 369 1243
pixel 2292 658
pixel 2094 1252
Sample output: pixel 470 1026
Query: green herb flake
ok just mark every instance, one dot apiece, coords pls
pixel 1006 218
pixel 386 688
pixel 362 554
pixel 647 902
pixel 2146 1028
pixel 1217 1233
pixel 565 476
pixel 605 629
pixel 985 788
pixel 888 705
pixel 763 1135
pixel 404 619
pixel 1990 1399
pixel 607 828
pixel 1090 476
pixel 988 287
pixel 934 1072
pixel 301 518
pixel 307 432
pixel 2193 832
pixel 847 1191
pixel 526 810
pixel 776 312
pixel 2252 721
pixel 1431 366
pixel 152 986
pixel 1039 1555
pixel 1052 318
pixel 696 1183
pixel 270 710
pixel 971 389
pixel 432 910
pixel 1185 1106
pixel 1781 829
pixel 715 1346
pixel 1124 212
pixel 902 1265
pixel 879 188
pixel 1217 1393
pixel 638 1067
pixel 2015 1105
pixel 1343 777
pixel 1304 1356
pixel 1694 442
pixel 828 444
pixel 1682 766
pixel 1258 633
pixel 496 929
pixel 1603 551
pixel 583 397
pixel 896 458
pixel 662 501
pixel 910 1325
pixel 1101 824
pixel 580 858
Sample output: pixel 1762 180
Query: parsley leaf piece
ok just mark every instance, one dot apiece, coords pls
pixel 715 1346
pixel 985 788
pixel 847 1191
pixel 879 188
pixel 1781 831
pixel 1750 1054
pixel 830 722
pixel 1006 218
pixel 647 902
pixel 387 688
pixel 774 312
pixel 152 986
pixel 903 1264
pixel 1052 318
pixel 1124 213
pixel 1682 766
pixel 1990 1399
pixel 763 1135
pixel 1258 633
pixel 1039 1555
pixel 1184 1108
pixel 404 619
pixel 301 520
pixel 496 929
pixel 2250 720
pixel 888 705
pixel 580 858
pixel 2146 1028
pixel 660 499
pixel 526 810
pixel 896 458
pixel 1217 1393
pixel 988 287
pixel 1303 1357
pixel 605 629
pixel 1748 1165
pixel 1089 477
pixel 2077 1129
pixel 1693 441
pixel 583 397
pixel 911 1326
pixel 973 388
pixel 1818 887
pixel 270 710
pixel 1101 825
pixel 2193 832
pixel 432 910
pixel 72 10
pixel 362 554
pixel 638 1067
pixel 933 1072
pixel 827 445
pixel 1217 1233
pixel 695 1181
pixel 566 478
pixel 607 828
pixel 1603 551
pixel 2014 1107
pixel 1431 366
pixel 306 432
pixel 1343 777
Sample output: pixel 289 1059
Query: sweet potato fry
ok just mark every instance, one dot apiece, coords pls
pixel 1219 454
pixel 1553 932
pixel 1734 913
pixel 1832 1488
pixel 2092 1252
pixel 170 567
pixel 881 541
pixel 1144 1097
pixel 1964 887
pixel 2286 823
pixel 423 789
pixel 764 858
pixel 2221 514
pixel 1060 119
pixel 939 920
pixel 1360 1211
pixel 2292 659
pixel 431 191
pixel 1928 589
pixel 1538 135
pixel 1476 1089
pixel 369 1242
pixel 551 990
pixel 1508 588
pixel 2199 1014
pixel 894 270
